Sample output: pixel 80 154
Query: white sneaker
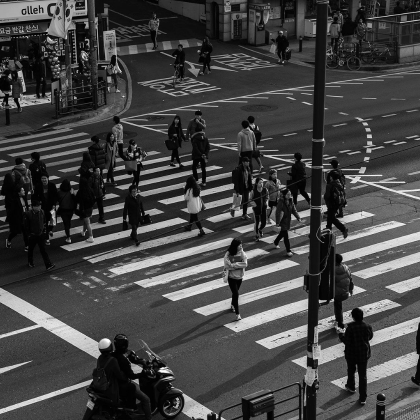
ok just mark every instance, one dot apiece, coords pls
pixel 269 221
pixel 68 240
pixel 83 233
pixel 117 91
pixel 238 317
pixel 289 254
pixel 90 239
pixel 276 246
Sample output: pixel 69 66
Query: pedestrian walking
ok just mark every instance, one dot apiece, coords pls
pixel 416 378
pixel 177 136
pixel 111 151
pixel 259 200
pixel 6 87
pixel 335 31
pixel 205 55
pixel 118 132
pixel 37 167
pixel 67 204
pixel 247 143
pixel 194 204
pixel 133 208
pixel 258 135
pixel 154 27
pixel 15 213
pixel 135 153
pixel 282 45
pixel 298 174
pixel 235 263
pixel 22 176
pixel 342 179
pixel 46 193
pixel 40 73
pixel 97 154
pixel 112 70
pixel 96 183
pixel 85 199
pixel 35 225
pixel 334 198
pixel 200 154
pixel 357 352
pixel 87 166
pixel 284 210
pixel 242 185
pixel 179 55
pixel 273 186
pixel 17 89
pixel 197 121
pixel 343 290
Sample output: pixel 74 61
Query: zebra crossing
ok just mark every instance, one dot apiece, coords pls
pixel 191 274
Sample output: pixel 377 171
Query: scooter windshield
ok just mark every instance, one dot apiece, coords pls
pixel 145 352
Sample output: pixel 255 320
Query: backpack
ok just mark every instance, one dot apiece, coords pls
pixel 257 133
pixel 338 197
pixel 99 380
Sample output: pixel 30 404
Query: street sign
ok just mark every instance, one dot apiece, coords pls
pixel 110 44
pixel 227 7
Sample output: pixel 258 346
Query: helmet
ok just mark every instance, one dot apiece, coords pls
pixel 121 342
pixel 105 346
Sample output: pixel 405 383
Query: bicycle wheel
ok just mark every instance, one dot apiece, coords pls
pixel 353 63
pixel 174 78
pixel 332 62
pixel 367 57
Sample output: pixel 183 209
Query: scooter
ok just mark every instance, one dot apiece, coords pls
pixel 155 383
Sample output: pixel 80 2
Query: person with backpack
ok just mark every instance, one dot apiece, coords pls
pixel 112 70
pixel 298 174
pixel 118 132
pixel 35 226
pixel 259 198
pixel 5 87
pixel 342 179
pixel 200 153
pixel 15 216
pixel 258 135
pixel 22 177
pixel 334 198
pixel 247 143
pixel 97 154
pixel 37 167
pixel 343 289
pixel 242 185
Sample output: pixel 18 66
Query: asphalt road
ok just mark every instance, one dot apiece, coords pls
pixel 51 322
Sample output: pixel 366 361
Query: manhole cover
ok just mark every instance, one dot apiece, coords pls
pixel 127 134
pixel 155 118
pixel 259 108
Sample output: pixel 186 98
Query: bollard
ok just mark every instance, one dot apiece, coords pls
pixel 7 109
pixel 380 407
pixel 300 44
pixel 211 416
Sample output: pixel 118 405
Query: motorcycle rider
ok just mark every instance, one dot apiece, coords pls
pixel 125 357
pixel 119 385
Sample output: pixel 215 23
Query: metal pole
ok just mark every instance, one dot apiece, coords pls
pixel 93 53
pixel 312 383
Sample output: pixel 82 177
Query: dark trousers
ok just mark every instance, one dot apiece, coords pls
pixel 133 234
pixel 206 64
pixel 153 35
pixel 332 219
pixel 249 156
pixel 260 220
pixel 40 82
pixel 181 71
pixel 14 231
pixel 121 150
pixel 300 187
pixel 110 174
pixel 40 241
pixel 417 376
pixel 175 155
pixel 48 218
pixel 245 198
pixel 334 43
pixel 194 218
pixel 17 102
pixel 66 216
pixel 281 53
pixel 361 370
pixel 235 285
pixel 136 176
pixel 338 312
pixel 203 169
pixel 284 234
pixel 6 98
pixel 100 203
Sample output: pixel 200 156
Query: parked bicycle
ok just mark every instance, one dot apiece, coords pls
pixel 342 57
pixel 376 52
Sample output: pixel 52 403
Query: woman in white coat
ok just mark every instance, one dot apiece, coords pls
pixel 194 203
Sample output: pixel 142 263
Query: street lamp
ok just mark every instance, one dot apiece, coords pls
pixel 311 377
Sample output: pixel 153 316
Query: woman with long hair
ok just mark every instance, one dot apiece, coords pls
pixel 205 55
pixel 17 89
pixel 194 203
pixel 134 152
pixel 85 200
pixel 273 186
pixel 112 71
pixel 111 151
pixel 259 196
pixel 235 262
pixel 176 134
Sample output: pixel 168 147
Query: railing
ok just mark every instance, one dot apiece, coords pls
pixel 79 99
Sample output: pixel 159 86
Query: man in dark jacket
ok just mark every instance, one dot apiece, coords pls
pixel 357 352
pixel 133 207
pixel 333 191
pixel 200 153
pixel 298 174
pixel 342 179
pixel 97 154
pixel 197 121
pixel 40 73
pixel 242 184
pixel 179 55
pixel 34 222
pixel 416 378
pixel 282 44
pixel 37 167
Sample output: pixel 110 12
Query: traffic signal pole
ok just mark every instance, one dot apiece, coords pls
pixel 93 42
pixel 314 277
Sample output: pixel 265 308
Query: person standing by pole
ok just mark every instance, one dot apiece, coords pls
pixel 154 27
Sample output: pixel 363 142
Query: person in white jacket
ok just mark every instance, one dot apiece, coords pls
pixel 194 203
pixel 235 262
pixel 247 143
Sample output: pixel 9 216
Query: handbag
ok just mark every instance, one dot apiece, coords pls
pixel 225 275
pixel 273 49
pixel 201 59
pixel 170 144
pixel 53 220
pixel 130 165
pixel 237 200
pixel 125 225
pixel 145 219
pixel 203 206
pixel 288 54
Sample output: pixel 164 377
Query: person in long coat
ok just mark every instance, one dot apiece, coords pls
pixel 133 207
pixel 176 134
pixel 111 151
pixel 17 89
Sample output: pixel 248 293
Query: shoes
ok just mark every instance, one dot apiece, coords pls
pixel 201 73
pixel 117 91
pixel 289 254
pixel 47 242
pixel 261 169
pixel 181 166
pixel 345 233
pixel 257 238
pixel 109 89
pixel 31 265
pixel 38 97
pixel 203 184
pixel 282 62
pixel 51 234
pixel 232 308
pixel 352 390
pixel 26 248
pixel 137 243
pixel 269 221
pixel 8 244
pixel 102 221
pixel 20 110
pixel 232 213
pixel 50 267
pixel 362 402
pixel 83 233
pixel 245 217
pixel 276 245
pixel 201 233
pixel 340 215
pixel 172 164
pixel 114 184
pixel 415 381
pixel 209 72
pixel 187 228
pixel 261 233
pixel 68 240
pixel 238 317
pixel 90 239
pixel 279 61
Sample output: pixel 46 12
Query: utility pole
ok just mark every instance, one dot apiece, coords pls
pixel 311 377
pixel 69 76
pixel 93 43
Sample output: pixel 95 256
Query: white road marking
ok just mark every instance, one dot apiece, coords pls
pixel 400 142
pixel 412 137
pixel 204 193
pixel 354 153
pixel 9 368
pixel 44 149
pixel 290 134
pixel 339 125
pixel 390 141
pixel 293 99
pixel 344 151
pixel 37 135
pixel 414 173
pixel 307 103
pixel 22 330
pixel 325 324
pixel 397 99
pixel 334 96
pixel 389 115
pixel 412 110
pixel 343 113
pixel 405 286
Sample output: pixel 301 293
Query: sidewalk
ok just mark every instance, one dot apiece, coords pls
pixel 37 115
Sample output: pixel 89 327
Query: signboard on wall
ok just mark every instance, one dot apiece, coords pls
pixel 110 44
pixel 236 25
pixel 227 7
pixel 275 12
pixel 24 28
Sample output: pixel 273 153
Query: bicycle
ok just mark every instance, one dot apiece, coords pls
pixel 177 74
pixel 335 59
pixel 383 54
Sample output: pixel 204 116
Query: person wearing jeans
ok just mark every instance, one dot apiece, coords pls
pixel 200 153
pixel 235 262
pixel 259 199
pixel 357 352
pixel 343 289
pixel 154 27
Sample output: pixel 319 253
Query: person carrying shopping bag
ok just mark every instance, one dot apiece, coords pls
pixel 194 203
pixel 134 156
pixel 235 263
pixel 259 197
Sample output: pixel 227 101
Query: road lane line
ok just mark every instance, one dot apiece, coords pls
pixel 22 330
pixel 405 286
pixel 34 136
pixel 204 193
